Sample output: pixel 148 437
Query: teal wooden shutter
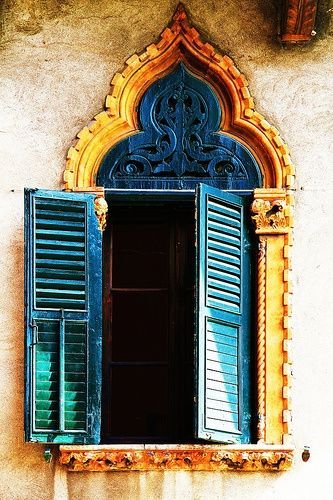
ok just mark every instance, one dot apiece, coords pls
pixel 222 318
pixel 63 318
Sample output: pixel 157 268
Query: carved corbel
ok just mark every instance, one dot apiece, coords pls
pixel 101 209
pixel 269 216
pixel 297 20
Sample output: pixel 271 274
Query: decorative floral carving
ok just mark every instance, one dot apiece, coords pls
pixel 179 42
pixel 101 209
pixel 179 137
pixel 197 457
pixel 269 215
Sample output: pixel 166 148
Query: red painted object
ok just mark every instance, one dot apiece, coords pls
pixel 298 20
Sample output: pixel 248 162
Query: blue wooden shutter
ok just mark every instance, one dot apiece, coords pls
pixel 63 318
pixel 222 318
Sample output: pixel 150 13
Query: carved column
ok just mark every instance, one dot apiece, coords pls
pixel 270 213
pixel 261 340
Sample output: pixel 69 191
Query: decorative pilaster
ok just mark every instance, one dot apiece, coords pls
pixel 271 211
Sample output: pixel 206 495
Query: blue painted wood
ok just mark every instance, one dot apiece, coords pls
pixel 179 143
pixel 63 318
pixel 223 399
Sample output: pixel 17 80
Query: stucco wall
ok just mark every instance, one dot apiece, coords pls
pixel 56 61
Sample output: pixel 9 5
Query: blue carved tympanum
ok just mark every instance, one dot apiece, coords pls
pixel 179 143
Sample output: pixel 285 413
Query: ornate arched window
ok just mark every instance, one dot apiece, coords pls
pixel 179 142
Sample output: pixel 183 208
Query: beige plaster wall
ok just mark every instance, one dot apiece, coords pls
pixel 56 60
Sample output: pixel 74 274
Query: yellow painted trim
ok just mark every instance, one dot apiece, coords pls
pixel 272 215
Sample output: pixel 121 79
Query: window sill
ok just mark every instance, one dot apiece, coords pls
pixel 216 457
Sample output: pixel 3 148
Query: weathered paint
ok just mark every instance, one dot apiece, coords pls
pixel 63 320
pixel 223 318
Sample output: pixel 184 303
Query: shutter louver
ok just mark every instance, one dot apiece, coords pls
pixel 63 317
pixel 223 315
pixel 60 255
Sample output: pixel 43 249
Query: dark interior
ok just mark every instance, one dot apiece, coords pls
pixel 149 323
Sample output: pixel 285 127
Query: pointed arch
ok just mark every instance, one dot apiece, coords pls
pixel 179 42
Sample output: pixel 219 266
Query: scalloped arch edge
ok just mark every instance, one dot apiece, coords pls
pixel 178 42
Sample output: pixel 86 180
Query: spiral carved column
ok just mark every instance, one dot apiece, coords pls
pixel 261 340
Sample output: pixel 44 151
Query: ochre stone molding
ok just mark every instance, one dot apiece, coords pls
pixel 101 209
pixel 272 215
pixel 176 457
pixel 269 216
pixel 298 20
pixel 179 42
pixel 261 340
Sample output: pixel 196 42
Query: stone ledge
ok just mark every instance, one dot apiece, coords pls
pixel 247 458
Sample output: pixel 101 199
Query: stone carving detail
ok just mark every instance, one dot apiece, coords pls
pixel 269 216
pixel 101 209
pixel 183 458
pixel 179 119
pixel 261 340
pixel 180 41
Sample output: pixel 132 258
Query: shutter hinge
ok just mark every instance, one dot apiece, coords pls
pixel 34 333
pixel 48 455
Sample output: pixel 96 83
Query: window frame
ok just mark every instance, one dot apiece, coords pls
pixel 272 215
pixel 132 196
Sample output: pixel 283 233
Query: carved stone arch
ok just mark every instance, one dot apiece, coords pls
pixel 272 207
pixel 179 43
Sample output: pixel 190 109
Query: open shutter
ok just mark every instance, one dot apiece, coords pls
pixel 63 318
pixel 222 318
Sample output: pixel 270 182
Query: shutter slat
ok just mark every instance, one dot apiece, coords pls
pixel 217 226
pixel 223 236
pixel 222 399
pixel 63 278
pixel 59 254
pixel 60 224
pixel 217 339
pixel 219 247
pixel 221 348
pixel 60 216
pixel 223 415
pixel 216 404
pixel 219 256
pixel 55 234
pixel 227 210
pixel 221 376
pixel 59 244
pixel 67 264
pixel 227 221
pixel 226 397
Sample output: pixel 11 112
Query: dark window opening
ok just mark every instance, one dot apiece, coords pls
pixel 149 323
